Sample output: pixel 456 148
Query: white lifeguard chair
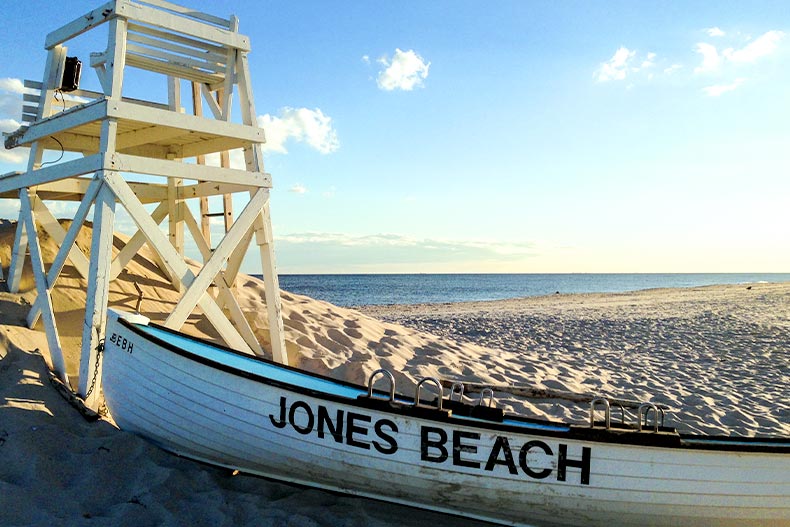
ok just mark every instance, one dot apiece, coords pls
pixel 120 138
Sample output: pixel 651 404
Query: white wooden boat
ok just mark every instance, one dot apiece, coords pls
pixel 229 409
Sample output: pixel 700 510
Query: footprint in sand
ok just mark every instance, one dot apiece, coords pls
pixel 378 349
pixel 353 333
pixel 340 338
pixel 296 317
pixel 305 342
pixel 295 325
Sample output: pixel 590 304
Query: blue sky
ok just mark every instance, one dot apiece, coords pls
pixel 503 136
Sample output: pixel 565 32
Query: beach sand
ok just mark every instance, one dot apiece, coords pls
pixel 717 356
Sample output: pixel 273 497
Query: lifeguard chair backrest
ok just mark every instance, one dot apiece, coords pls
pixel 180 42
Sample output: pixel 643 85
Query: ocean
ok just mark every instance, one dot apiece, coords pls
pixel 378 289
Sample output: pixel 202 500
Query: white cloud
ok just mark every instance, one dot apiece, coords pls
pixel 302 125
pixel 615 68
pixel 649 61
pixel 298 189
pixel 719 89
pixel 10 102
pixel 399 241
pixel 12 85
pixel 329 193
pixel 672 69
pixel 714 32
pixel 760 47
pixel 710 58
pixel 405 71
pixel 17 156
pixel 366 59
pixel 8 125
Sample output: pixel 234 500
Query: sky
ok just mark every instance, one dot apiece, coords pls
pixel 503 136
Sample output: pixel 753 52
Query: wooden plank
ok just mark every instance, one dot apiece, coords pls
pixel 72 189
pixel 72 118
pixel 66 169
pixel 227 208
pixel 58 233
pixel 198 53
pixel 17 254
pixel 168 68
pixel 154 17
pixel 173 261
pixel 175 227
pixel 212 103
pixel 133 112
pixel 101 73
pixel 67 245
pixel 234 262
pixel 225 94
pixel 210 146
pixel 205 224
pixel 263 235
pixel 199 66
pixel 271 288
pixel 82 24
pixel 135 243
pixel 89 94
pixel 42 289
pixel 98 296
pixel 205 17
pixel 225 296
pixel 108 136
pixel 71 143
pixel 211 189
pixel 28 111
pixel 205 221
pixel 116 53
pixel 53 74
pixel 166 168
pixel 169 36
pixel 218 258
pixel 150 134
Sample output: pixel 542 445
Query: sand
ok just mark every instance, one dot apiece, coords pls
pixel 718 356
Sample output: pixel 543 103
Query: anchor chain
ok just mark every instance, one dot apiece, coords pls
pixel 99 350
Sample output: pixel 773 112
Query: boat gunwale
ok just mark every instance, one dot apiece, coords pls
pixel 756 444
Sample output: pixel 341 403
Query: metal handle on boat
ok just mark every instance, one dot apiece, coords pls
pixel 645 408
pixel 139 297
pixel 388 375
pixel 607 411
pixel 486 392
pixel 457 389
pixel 435 381
pixel 622 412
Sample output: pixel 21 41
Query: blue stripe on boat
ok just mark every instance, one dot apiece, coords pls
pixel 270 371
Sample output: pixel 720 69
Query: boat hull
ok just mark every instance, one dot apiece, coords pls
pixel 219 407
